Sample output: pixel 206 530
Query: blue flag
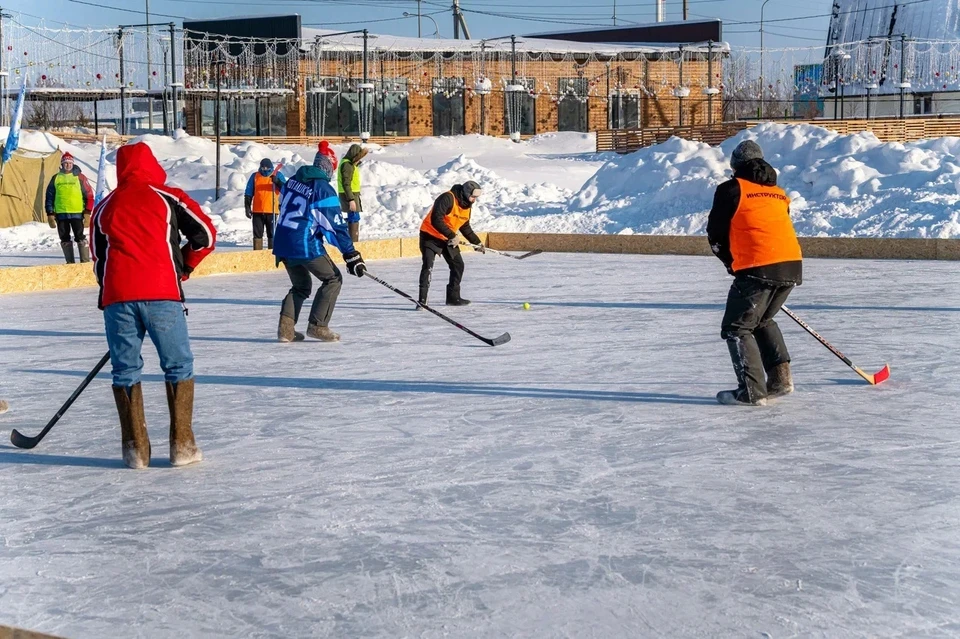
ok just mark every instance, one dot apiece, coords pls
pixel 13 138
pixel 101 173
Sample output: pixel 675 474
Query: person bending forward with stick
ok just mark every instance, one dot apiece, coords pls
pixel 750 230
pixel 438 234
pixel 139 265
pixel 309 215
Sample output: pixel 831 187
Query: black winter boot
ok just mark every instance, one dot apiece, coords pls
pixel 453 297
pixel 751 389
pixel 84 248
pixel 67 248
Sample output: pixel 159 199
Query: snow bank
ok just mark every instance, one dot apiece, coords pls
pixel 840 185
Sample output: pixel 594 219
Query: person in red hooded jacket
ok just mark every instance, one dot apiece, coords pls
pixel 140 265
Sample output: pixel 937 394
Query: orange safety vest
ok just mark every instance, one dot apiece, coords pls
pixel 457 217
pixel 265 197
pixel 761 231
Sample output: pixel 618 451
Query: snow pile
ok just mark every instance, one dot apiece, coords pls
pixel 840 185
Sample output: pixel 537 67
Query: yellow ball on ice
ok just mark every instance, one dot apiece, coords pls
pixel 526 306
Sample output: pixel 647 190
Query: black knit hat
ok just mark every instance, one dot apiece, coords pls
pixel 266 164
pixel 745 151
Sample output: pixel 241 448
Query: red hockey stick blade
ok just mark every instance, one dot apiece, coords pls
pixel 881 375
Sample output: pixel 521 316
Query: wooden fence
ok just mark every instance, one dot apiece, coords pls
pixel 886 129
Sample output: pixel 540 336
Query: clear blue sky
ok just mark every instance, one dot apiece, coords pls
pixel 787 23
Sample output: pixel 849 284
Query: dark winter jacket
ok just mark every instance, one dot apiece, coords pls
pixel 726 201
pixel 135 233
pixel 441 209
pixel 86 193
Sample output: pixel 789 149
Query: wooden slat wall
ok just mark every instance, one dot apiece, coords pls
pixel 306 140
pixel 886 129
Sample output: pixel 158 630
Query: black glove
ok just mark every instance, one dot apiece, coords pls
pixel 729 269
pixel 249 213
pixel 480 247
pixel 355 263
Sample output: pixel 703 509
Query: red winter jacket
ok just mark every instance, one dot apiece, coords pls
pixel 135 232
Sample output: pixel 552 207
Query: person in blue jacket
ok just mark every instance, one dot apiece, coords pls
pixel 309 216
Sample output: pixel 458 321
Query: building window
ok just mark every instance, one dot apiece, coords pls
pixel 264 116
pixel 448 106
pixel 572 104
pixel 391 108
pixel 624 111
pixel 525 108
pixel 922 103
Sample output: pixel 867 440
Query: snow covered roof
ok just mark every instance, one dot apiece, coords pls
pixel 354 42
pixel 856 20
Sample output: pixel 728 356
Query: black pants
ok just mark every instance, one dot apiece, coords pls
pixel 66 225
pixel 430 246
pixel 262 221
pixel 754 339
pixel 331 281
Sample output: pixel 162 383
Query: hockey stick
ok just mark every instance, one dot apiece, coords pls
pixel 22 441
pixel 880 376
pixel 476 247
pixel 496 341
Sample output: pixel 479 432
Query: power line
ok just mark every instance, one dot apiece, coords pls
pixel 819 15
pixel 139 13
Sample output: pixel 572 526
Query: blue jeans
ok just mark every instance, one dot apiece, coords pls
pixel 128 322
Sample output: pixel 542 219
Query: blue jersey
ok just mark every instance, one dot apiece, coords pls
pixel 309 216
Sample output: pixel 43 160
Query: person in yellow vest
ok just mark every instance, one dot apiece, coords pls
pixel 261 201
pixel 750 230
pixel 68 203
pixel 348 186
pixel 449 214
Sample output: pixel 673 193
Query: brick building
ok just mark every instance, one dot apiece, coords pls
pixel 284 80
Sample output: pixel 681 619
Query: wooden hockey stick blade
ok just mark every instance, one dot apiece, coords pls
pixel 530 254
pixel 881 375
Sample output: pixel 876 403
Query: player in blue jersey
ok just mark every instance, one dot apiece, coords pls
pixel 309 216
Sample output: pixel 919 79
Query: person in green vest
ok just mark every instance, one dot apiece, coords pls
pixel 348 186
pixel 68 203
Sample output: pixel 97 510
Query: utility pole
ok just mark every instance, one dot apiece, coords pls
pixel 459 22
pixel 903 78
pixel 614 12
pixel 218 69
pixel 149 69
pixel 419 26
pixel 163 97
pixel 173 76
pixel 685 8
pixel 123 85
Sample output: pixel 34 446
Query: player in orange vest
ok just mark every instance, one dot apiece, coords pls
pixel 750 230
pixel 449 214
pixel 261 201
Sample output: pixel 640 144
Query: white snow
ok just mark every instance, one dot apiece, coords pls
pixel 580 481
pixel 841 185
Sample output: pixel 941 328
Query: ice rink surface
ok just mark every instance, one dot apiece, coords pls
pixel 580 481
